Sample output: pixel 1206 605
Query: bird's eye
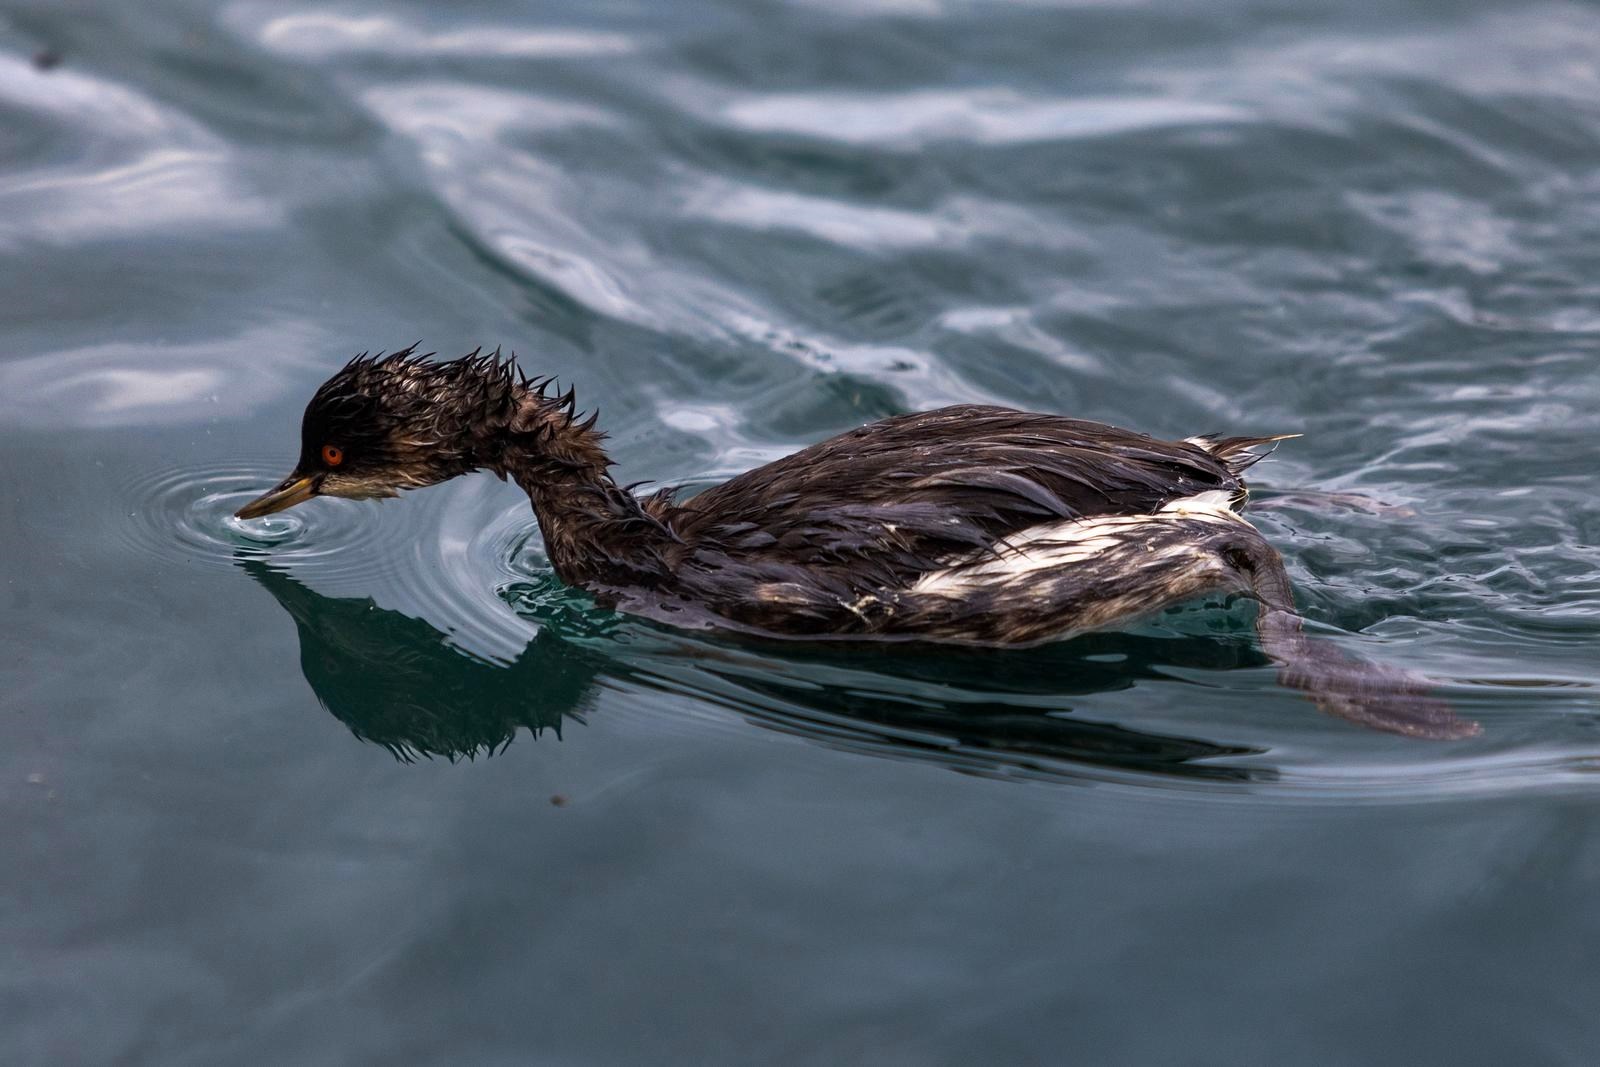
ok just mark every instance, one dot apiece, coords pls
pixel 332 455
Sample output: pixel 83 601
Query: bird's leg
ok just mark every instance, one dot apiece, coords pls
pixel 1323 500
pixel 1371 694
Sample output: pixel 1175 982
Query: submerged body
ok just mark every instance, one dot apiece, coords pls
pixel 972 524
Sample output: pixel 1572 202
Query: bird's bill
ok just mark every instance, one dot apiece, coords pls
pixel 295 489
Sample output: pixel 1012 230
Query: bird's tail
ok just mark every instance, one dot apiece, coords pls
pixel 1370 694
pixel 1238 452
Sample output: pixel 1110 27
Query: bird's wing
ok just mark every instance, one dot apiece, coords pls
pixel 899 497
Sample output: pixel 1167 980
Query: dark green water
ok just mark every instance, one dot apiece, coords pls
pixel 739 228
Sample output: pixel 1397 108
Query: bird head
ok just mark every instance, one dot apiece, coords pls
pixel 387 423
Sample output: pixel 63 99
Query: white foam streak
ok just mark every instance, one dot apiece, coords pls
pixel 989 116
pixel 319 34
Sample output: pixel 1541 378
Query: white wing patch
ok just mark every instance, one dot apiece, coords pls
pixel 1218 503
pixel 1052 546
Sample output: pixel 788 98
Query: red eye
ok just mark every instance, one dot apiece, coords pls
pixel 332 455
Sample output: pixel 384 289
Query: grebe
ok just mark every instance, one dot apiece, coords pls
pixel 971 524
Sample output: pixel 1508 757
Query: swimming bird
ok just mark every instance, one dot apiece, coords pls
pixel 971 524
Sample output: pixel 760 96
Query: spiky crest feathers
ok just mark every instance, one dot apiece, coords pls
pixel 433 401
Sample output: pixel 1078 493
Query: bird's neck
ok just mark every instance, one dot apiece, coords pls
pixel 595 531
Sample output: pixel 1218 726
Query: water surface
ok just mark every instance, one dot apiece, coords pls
pixel 363 783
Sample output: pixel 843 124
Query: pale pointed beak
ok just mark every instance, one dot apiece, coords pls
pixel 295 489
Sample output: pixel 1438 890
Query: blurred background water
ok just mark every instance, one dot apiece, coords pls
pixel 364 785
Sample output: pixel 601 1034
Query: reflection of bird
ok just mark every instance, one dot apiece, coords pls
pixel 975 525
pixel 394 681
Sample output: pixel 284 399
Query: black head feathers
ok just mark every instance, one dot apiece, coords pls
pixel 398 420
